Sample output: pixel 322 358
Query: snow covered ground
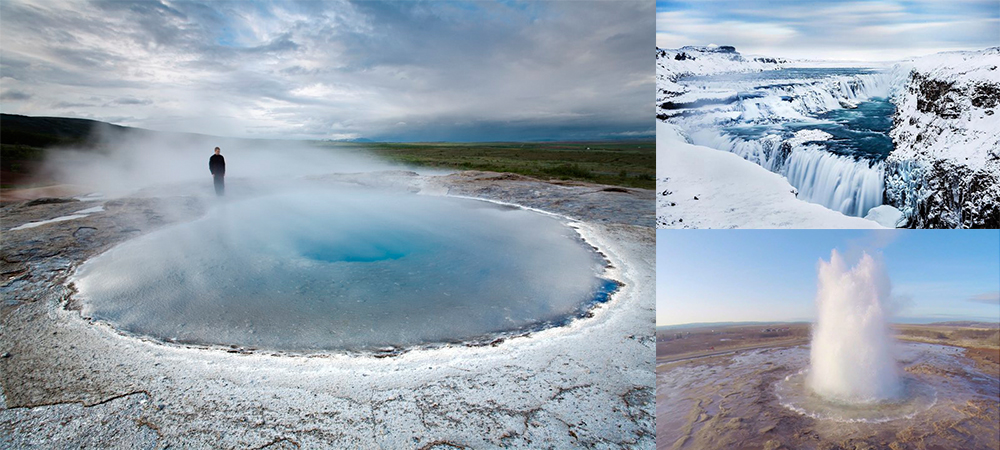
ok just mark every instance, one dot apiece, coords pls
pixel 701 187
pixel 703 60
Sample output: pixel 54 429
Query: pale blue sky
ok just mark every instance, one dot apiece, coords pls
pixel 868 30
pixel 770 275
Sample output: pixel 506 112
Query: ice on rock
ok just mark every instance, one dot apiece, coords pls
pixel 804 136
pixel 887 216
pixel 945 169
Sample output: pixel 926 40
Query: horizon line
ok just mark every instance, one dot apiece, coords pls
pixel 651 136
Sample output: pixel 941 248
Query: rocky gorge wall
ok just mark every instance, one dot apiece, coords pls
pixel 945 169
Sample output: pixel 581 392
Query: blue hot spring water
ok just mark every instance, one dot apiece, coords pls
pixel 355 270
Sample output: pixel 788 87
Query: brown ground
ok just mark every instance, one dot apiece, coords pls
pixel 675 345
pixel 987 359
pixel 959 336
pixel 982 343
pixel 726 405
pixel 54 190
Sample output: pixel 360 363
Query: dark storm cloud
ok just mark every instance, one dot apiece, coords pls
pixel 64 105
pixel 131 101
pixel 14 95
pixel 395 70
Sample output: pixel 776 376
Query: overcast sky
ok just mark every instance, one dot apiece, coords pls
pixel 770 275
pixel 842 30
pixel 332 70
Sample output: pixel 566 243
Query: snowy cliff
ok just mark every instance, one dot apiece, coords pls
pixel 945 169
pixel 710 103
pixel 709 60
pixel 672 64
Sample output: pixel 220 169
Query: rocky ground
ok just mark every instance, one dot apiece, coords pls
pixel 730 401
pixel 69 382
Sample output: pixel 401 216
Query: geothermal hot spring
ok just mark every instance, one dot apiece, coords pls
pixel 854 373
pixel 345 270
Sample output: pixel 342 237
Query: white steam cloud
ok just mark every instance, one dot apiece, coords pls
pixel 852 357
pixel 120 163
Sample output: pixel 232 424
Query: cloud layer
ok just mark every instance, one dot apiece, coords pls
pixel 332 70
pixel 874 30
pixel 989 298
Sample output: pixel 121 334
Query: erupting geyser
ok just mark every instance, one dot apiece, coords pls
pixel 852 355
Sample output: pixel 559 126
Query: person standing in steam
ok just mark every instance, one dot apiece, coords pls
pixel 217 165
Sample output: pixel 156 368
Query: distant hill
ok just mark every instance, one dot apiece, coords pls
pixel 720 324
pixel 24 141
pixel 956 323
pixel 43 132
pixel 966 324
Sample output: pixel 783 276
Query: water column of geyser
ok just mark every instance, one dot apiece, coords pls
pixel 852 355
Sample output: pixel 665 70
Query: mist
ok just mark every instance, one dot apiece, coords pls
pixel 119 163
pixel 852 358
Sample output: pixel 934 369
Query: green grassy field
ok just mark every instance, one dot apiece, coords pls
pixel 621 163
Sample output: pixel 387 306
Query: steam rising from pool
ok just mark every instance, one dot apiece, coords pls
pixel 852 357
pixel 348 269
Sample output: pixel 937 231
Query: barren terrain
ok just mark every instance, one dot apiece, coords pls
pixel 68 382
pixel 716 388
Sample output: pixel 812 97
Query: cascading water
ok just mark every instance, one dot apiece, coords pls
pixel 837 182
pixel 842 183
pixel 852 359
pixel 825 130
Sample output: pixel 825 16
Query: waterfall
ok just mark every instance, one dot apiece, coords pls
pixel 784 102
pixel 842 183
pixel 837 182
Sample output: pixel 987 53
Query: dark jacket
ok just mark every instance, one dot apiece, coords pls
pixel 217 164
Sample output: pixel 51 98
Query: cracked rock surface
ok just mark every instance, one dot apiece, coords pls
pixel 70 382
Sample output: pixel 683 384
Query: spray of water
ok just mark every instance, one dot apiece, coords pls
pixel 852 356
